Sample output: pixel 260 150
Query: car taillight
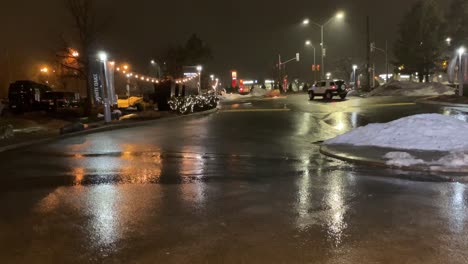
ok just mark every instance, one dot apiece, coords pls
pixel 333 87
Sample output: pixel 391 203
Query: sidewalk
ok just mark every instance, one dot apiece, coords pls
pixel 374 156
pixel 139 119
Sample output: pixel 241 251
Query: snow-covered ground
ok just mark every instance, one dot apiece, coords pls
pixel 455 159
pixel 433 132
pixel 426 132
pixel 396 88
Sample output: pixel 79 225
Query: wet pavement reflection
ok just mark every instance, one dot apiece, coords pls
pixel 234 187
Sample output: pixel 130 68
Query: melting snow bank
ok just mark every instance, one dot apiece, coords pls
pixel 447 163
pixel 233 97
pixel 431 132
pixel 426 132
pixel 396 88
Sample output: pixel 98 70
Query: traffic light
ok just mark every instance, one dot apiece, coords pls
pixel 318 67
pixel 313 67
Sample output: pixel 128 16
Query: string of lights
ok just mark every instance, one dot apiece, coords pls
pixel 125 70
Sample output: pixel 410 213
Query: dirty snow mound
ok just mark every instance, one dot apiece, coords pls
pixel 402 159
pixel 432 132
pixel 233 97
pixel 397 88
pixel 452 160
pixel 259 92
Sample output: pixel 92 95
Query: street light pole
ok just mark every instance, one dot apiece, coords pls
pixel 107 110
pixel 354 76
pixel 199 69
pixel 309 43
pixel 323 50
pixel 386 58
pixel 339 15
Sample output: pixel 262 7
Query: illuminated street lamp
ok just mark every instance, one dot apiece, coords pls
pixel 308 43
pixel 339 16
pixel 199 70
pixel 461 51
pixel 102 56
pixel 448 40
pixel 354 75
pixel 107 112
pixel 74 53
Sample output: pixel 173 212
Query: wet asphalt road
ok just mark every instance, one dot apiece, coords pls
pixel 245 185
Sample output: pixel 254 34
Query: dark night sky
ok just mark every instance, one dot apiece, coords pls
pixel 245 35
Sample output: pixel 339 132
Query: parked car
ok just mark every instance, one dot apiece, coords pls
pixel 26 96
pixel 55 100
pixel 329 89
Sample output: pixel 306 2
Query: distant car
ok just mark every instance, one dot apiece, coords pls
pixel 54 100
pixel 329 89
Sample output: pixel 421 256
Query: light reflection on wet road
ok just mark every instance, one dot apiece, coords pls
pixel 233 187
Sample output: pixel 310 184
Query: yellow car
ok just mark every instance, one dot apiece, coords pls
pixel 132 101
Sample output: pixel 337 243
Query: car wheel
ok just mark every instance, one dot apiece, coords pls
pixel 311 95
pixel 328 96
pixel 343 96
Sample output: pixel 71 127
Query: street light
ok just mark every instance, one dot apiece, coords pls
pixel 102 56
pixel 199 69
pixel 449 41
pixel 308 43
pixel 107 112
pixel 461 51
pixel 354 74
pixel 340 15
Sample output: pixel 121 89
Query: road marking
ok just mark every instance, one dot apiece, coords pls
pixel 384 105
pixel 255 110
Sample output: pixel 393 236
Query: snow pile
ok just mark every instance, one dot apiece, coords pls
pixel 233 97
pixel 432 132
pixel 396 88
pixel 259 92
pixel 402 159
pixel 453 160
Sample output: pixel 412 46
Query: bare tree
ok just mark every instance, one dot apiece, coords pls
pixel 83 13
pixel 343 68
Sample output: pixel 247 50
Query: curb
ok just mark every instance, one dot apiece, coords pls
pixel 101 129
pixel 445 176
pixel 428 101
pixel 327 151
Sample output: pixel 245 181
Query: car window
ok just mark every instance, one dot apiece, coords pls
pixel 332 83
pixel 322 84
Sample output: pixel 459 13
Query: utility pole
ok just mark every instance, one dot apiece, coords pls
pixel 386 58
pixel 368 48
pixel 279 70
pixel 323 51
